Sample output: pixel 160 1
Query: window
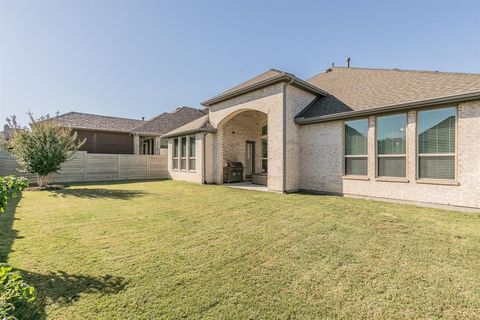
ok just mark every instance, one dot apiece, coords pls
pixel 356 146
pixel 265 148
pixel 147 146
pixel 191 154
pixel 175 153
pixel 163 143
pixel 264 155
pixel 391 145
pixel 436 143
pixel 183 154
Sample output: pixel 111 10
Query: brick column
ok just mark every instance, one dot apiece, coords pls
pixel 411 145
pixel 219 158
pixel 371 148
pixel 136 144
pixel 156 145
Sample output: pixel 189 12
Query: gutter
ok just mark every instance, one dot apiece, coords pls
pixel 395 107
pixel 281 77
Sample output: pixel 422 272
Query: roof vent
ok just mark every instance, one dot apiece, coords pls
pixel 347 61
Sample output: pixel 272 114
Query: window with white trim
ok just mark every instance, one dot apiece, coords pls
pixel 183 153
pixel 175 154
pixel 356 147
pixel 191 153
pixel 391 145
pixel 264 138
pixel 436 129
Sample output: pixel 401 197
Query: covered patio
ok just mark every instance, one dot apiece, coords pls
pixel 245 140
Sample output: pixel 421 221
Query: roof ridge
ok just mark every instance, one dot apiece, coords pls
pixel 403 70
pixel 96 115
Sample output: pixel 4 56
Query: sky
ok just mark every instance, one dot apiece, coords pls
pixel 141 58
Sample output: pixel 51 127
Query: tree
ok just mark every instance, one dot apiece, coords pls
pixel 44 148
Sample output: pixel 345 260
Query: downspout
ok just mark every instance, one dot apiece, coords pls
pixel 285 85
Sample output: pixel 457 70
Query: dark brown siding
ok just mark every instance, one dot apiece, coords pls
pixel 106 142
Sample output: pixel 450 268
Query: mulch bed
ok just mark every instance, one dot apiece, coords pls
pixel 49 187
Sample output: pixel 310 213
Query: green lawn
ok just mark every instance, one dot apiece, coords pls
pixel 174 250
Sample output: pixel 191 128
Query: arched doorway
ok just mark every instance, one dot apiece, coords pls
pixel 242 137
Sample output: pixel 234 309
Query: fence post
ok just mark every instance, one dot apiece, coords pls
pixel 118 166
pixel 147 175
pixel 85 166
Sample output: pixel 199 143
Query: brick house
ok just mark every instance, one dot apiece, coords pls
pixel 381 133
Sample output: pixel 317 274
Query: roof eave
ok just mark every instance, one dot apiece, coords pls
pixel 413 104
pixel 181 133
pixel 265 83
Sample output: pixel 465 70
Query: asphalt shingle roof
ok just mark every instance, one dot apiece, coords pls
pixel 168 121
pixel 200 124
pixel 88 121
pixel 354 89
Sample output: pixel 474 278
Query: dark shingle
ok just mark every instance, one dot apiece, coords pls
pixel 168 121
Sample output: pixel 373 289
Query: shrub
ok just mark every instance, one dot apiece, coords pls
pixel 44 148
pixel 12 291
pixel 10 187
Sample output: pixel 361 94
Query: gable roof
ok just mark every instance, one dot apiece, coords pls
pixel 168 121
pixel 363 89
pixel 88 121
pixel 264 79
pixel 199 125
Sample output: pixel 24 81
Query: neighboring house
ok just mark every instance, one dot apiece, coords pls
pixel 7 132
pixel 114 135
pixel 385 133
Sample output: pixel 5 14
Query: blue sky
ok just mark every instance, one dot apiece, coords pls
pixel 140 58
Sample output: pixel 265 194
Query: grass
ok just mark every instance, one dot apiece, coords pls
pixel 173 250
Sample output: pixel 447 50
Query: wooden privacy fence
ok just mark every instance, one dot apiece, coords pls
pixel 85 166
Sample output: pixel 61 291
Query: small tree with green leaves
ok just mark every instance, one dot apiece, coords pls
pixel 44 148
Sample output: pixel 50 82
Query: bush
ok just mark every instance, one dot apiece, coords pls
pixel 10 187
pixel 43 149
pixel 13 290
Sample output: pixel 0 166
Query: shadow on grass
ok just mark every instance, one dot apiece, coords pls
pixel 7 233
pixel 62 289
pixel 58 287
pixel 88 193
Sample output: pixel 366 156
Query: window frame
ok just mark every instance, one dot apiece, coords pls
pixel 345 156
pixel 405 155
pixel 264 137
pixel 175 159
pixel 189 156
pixel 183 157
pixel 417 149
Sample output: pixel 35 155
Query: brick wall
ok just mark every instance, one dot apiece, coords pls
pixel 322 163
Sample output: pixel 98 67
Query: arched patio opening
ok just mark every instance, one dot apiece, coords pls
pixel 242 137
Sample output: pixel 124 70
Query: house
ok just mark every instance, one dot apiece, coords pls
pixel 381 133
pixel 114 135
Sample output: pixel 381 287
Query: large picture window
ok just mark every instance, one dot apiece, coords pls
pixel 183 153
pixel 356 147
pixel 191 153
pixel 391 145
pixel 436 143
pixel 175 154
